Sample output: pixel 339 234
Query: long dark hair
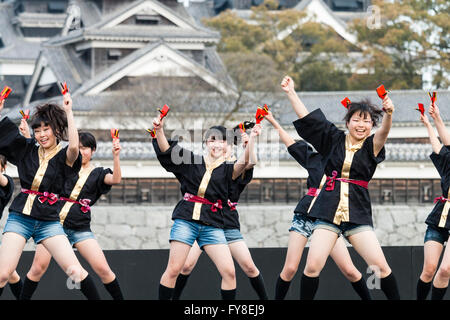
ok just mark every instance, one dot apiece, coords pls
pixel 51 115
pixel 364 107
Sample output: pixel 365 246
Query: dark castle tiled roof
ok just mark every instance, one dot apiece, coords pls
pixel 405 102
pixel 144 151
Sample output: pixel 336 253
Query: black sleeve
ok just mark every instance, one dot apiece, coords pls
pixel 318 131
pixel 441 161
pixel 12 144
pixel 7 191
pixel 176 159
pixel 101 185
pixel 244 179
pixel 76 166
pixel 369 145
pixel 301 152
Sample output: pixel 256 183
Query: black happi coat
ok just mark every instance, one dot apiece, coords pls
pixel 237 187
pixel 36 172
pixel 87 184
pixel 348 202
pixel 212 183
pixel 6 194
pixel 438 216
pixel 312 162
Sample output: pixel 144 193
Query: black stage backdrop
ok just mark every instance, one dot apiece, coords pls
pixel 139 272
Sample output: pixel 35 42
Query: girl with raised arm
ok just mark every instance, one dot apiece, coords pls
pixel 343 206
pixel 303 225
pixel 6 192
pixel 438 223
pixel 43 166
pixel 235 240
pixel 81 192
pixel 205 183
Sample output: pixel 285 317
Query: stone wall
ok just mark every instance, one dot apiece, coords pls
pixel 148 227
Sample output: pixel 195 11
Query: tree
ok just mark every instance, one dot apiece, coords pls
pixel 294 44
pixel 251 72
pixel 412 35
pixel 236 34
pixel 322 74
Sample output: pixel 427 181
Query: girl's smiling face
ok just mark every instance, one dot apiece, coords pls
pixel 216 147
pixel 360 125
pixel 44 136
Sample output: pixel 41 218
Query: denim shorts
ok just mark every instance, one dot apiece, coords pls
pixel 233 235
pixel 436 234
pixel 188 232
pixel 347 229
pixel 29 227
pixel 75 236
pixel 302 224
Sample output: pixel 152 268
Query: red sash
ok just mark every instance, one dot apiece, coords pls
pixel 191 198
pixel 314 192
pixel 44 196
pixel 441 199
pixel 232 205
pixel 83 202
pixel 331 180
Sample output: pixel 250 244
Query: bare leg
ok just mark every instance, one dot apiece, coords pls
pixel 322 243
pixel 61 250
pixel 177 257
pixel 241 254
pixel 443 274
pixel 91 251
pixel 342 258
pixel 368 247
pixel 14 278
pixel 431 253
pixel 40 264
pixel 221 256
pixel 296 244
pixel 192 259
pixel 10 252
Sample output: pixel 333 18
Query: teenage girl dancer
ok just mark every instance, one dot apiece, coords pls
pixel 303 224
pixel 438 223
pixel 205 183
pixel 6 191
pixel 83 190
pixel 344 206
pixel 43 166
pixel 235 240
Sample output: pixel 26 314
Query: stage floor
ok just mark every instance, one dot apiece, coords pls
pixel 139 272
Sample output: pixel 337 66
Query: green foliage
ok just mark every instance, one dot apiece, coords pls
pixel 323 75
pixel 393 53
pixel 413 34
